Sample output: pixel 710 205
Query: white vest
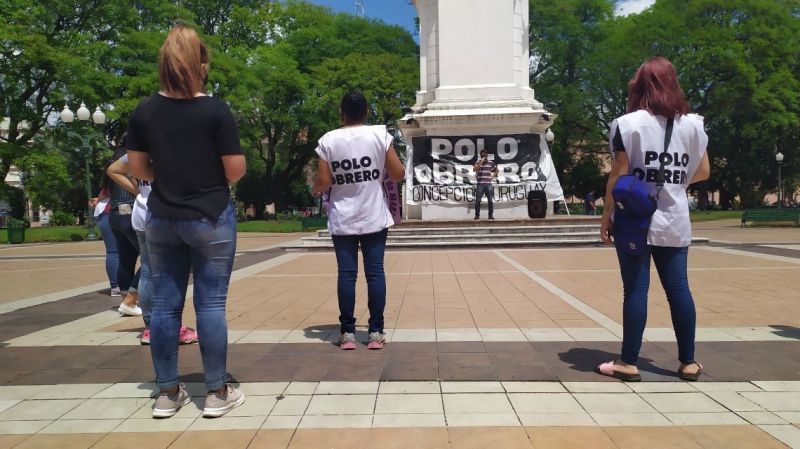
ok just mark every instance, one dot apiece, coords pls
pixel 357 159
pixel 643 137
pixel 139 213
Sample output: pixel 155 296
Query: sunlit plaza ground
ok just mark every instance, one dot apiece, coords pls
pixel 487 348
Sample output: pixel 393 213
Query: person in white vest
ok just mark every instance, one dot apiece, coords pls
pixel 145 287
pixel 637 143
pixel 353 160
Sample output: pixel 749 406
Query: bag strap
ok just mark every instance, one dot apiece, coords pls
pixel 662 171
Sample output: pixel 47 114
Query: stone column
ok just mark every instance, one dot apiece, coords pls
pixel 474 86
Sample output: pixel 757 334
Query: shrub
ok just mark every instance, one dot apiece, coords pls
pixel 14 223
pixel 63 219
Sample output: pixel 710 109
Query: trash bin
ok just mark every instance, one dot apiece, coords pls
pixel 16 231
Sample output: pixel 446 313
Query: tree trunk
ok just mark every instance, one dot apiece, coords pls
pixel 278 198
pixel 259 210
pixel 724 199
pixel 702 196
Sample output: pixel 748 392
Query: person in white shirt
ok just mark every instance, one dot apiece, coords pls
pixel 352 162
pixel 637 146
pixel 139 217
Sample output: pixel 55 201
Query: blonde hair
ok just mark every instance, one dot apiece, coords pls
pixel 180 61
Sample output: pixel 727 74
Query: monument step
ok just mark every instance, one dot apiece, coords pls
pixel 559 220
pixel 487 230
pixel 478 237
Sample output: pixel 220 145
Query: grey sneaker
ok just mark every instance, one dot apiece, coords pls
pixel 347 340
pixel 376 340
pixel 115 292
pixel 217 405
pixel 167 405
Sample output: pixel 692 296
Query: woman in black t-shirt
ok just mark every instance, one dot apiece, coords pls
pixel 188 144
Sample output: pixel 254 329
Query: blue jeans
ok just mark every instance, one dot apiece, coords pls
pixel 671 266
pixel 128 247
pixel 145 280
pixel 373 247
pixel 112 254
pixel 207 247
pixel 480 191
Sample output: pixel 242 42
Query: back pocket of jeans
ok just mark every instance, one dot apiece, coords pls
pixel 214 223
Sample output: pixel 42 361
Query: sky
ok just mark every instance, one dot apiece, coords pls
pixel 627 7
pixel 394 12
pixel 401 12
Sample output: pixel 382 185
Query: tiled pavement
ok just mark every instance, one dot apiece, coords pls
pixel 487 349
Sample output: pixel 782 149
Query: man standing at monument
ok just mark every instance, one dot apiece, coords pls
pixel 486 170
pixel 589 203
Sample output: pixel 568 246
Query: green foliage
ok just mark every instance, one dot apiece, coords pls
pixel 284 65
pixel 16 201
pixel 738 62
pixel 47 173
pixel 564 36
pixel 63 219
pixel 585 175
pixel 265 55
pixel 287 93
pixel 14 223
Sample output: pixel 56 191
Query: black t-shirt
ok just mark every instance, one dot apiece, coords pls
pixel 186 140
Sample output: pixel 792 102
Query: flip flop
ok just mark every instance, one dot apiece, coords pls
pixel 691 377
pixel 607 369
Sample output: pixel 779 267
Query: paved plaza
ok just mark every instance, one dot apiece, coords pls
pixel 487 349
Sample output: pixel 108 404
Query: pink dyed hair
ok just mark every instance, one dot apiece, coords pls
pixel 655 89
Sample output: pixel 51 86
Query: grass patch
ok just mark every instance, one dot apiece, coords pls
pixel 51 234
pixel 62 234
pixel 271 226
pixel 716 215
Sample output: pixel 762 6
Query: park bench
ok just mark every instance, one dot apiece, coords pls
pixel 782 214
pixel 314 222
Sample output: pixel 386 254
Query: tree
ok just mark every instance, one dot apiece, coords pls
pixel 563 37
pixel 288 92
pixel 738 62
pixel 47 174
pixel 50 51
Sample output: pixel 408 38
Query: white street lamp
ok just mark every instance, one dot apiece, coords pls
pixel 85 135
pixel 67 116
pixel 549 136
pixel 98 117
pixel 83 113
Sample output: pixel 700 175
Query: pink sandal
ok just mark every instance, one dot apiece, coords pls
pixel 607 369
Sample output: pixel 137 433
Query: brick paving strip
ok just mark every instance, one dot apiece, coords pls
pixel 457 361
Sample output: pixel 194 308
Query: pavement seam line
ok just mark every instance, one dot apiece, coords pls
pixel 737 252
pixel 599 318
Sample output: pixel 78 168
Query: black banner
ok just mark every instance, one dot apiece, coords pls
pixel 444 167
